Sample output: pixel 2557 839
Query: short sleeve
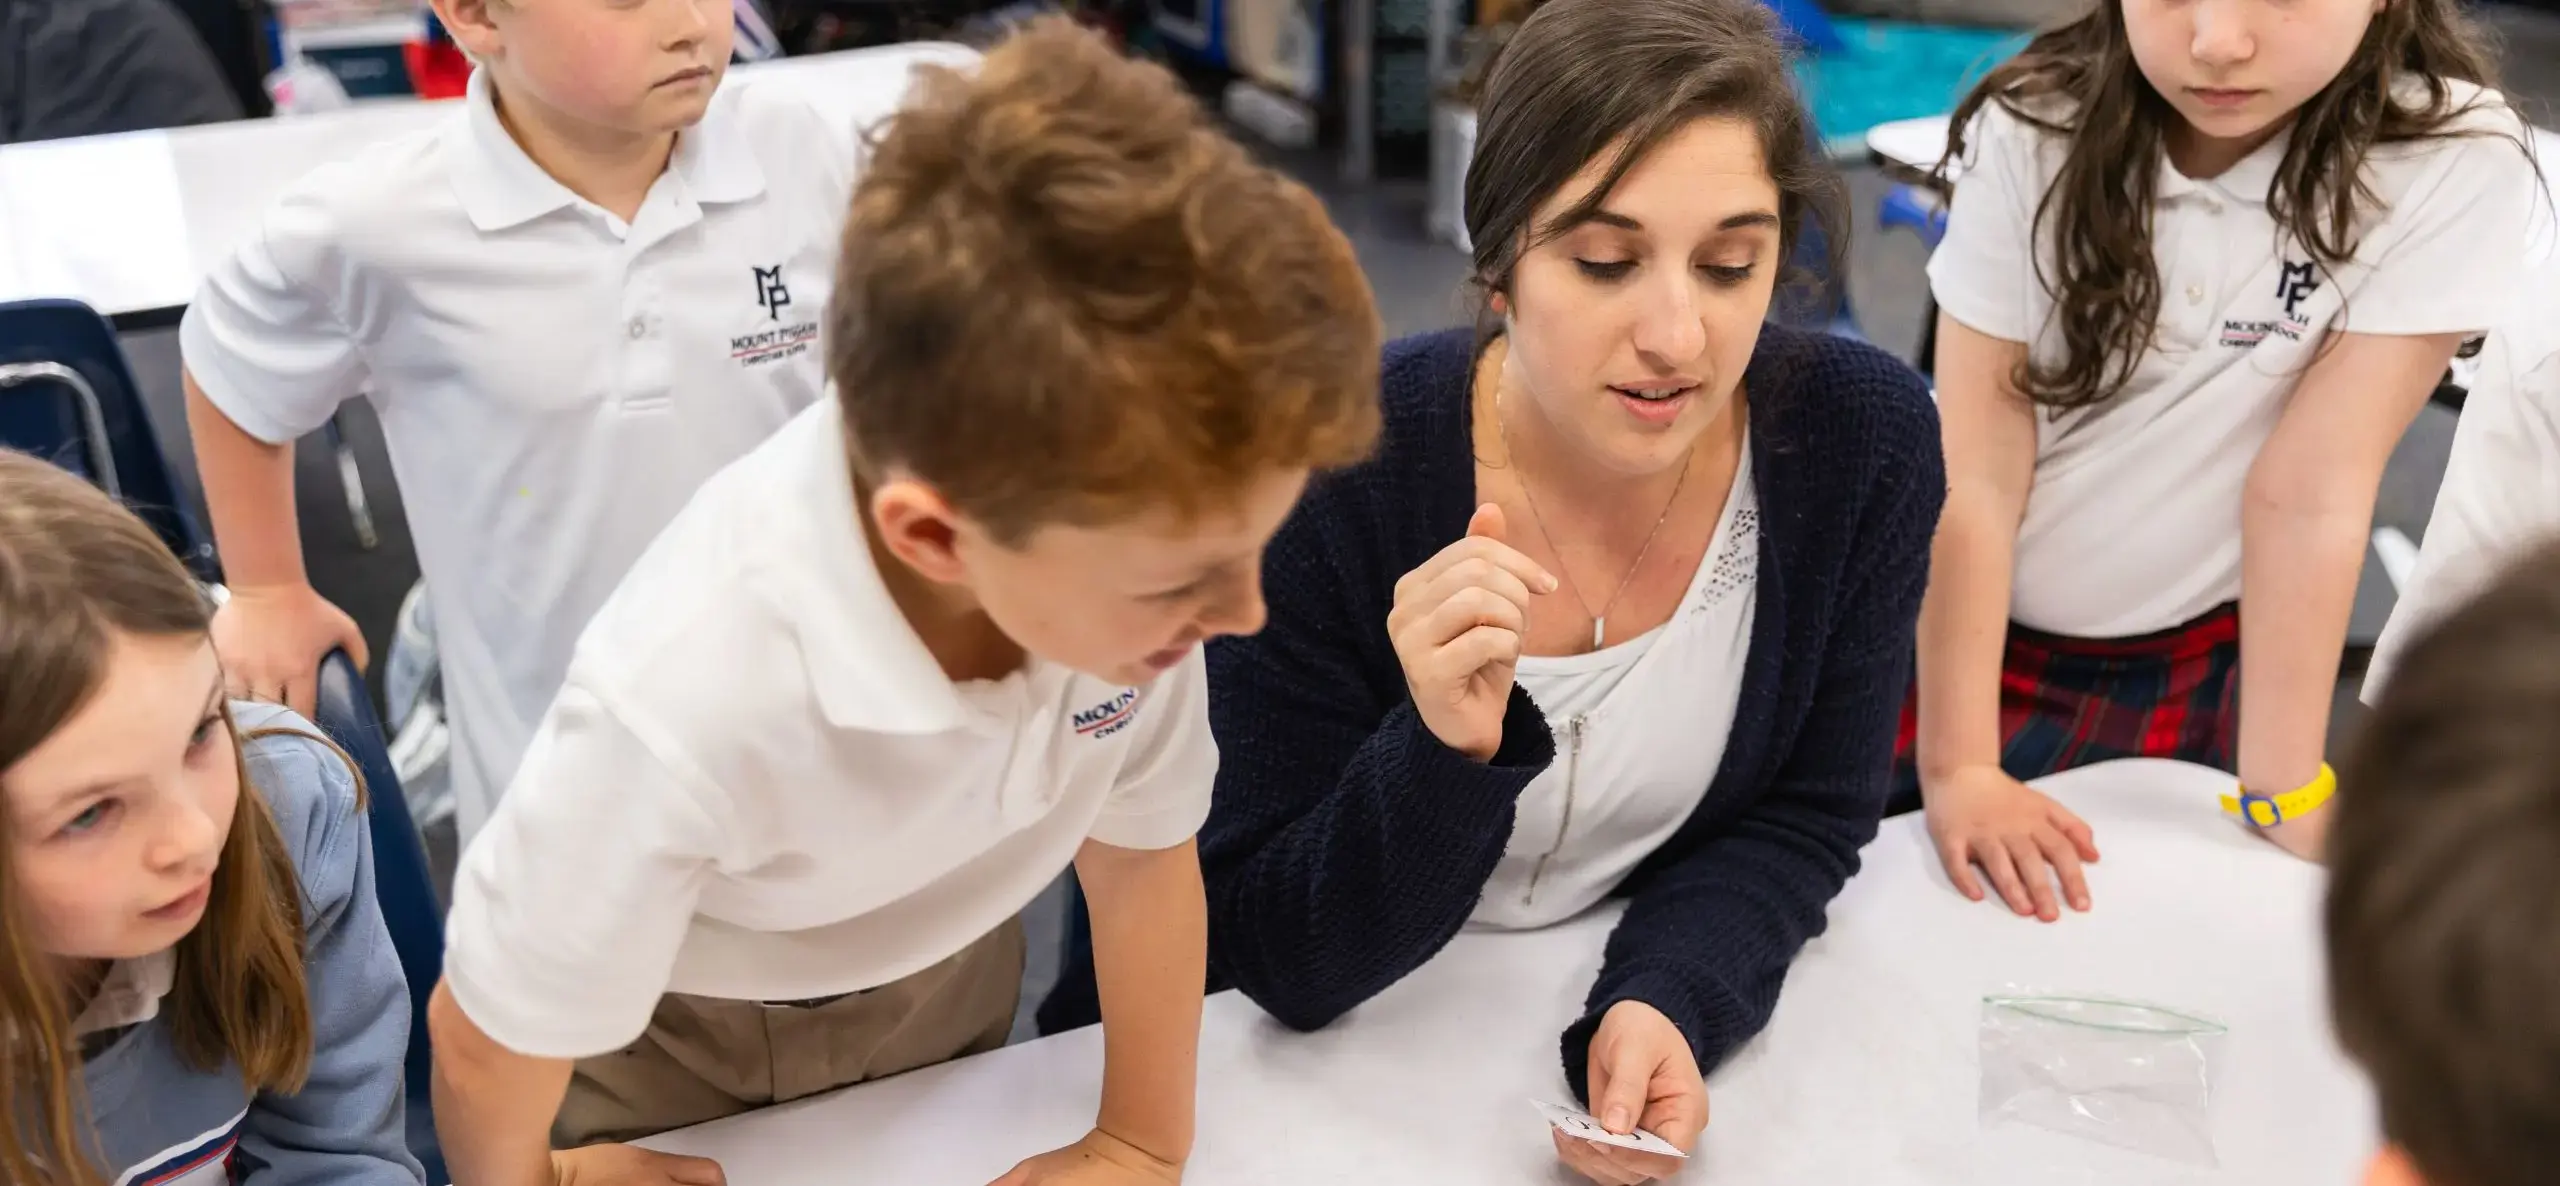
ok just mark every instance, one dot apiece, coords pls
pixel 1983 273
pixel 265 337
pixel 1162 795
pixel 2448 256
pixel 2501 494
pixel 570 907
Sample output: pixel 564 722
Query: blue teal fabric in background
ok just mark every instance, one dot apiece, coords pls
pixel 1889 70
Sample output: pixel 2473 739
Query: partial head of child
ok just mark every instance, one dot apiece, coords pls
pixel 589 70
pixel 127 824
pixel 2444 894
pixel 1088 352
pixel 2207 82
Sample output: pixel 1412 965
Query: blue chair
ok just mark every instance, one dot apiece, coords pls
pixel 1916 209
pixel 66 395
pixel 400 877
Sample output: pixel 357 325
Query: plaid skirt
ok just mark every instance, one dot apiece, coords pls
pixel 2067 702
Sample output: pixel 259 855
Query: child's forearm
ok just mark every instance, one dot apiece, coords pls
pixel 493 1107
pixel 248 487
pixel 2299 564
pixel 1989 433
pixel 1964 623
pixel 1150 956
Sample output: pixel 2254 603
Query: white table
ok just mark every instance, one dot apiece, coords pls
pixel 130 223
pixel 1866 1075
pixel 1909 143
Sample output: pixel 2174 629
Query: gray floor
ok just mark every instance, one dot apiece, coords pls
pixel 1417 283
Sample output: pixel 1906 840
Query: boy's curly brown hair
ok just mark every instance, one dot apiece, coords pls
pixel 1066 296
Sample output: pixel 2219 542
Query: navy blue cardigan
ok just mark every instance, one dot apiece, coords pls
pixel 1346 845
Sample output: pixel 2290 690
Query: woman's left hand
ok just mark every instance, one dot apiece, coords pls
pixel 1642 1076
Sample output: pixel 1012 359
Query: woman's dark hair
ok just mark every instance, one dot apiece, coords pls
pixel 2079 81
pixel 1584 77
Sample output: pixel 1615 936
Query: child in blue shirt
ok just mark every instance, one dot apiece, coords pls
pixel 196 987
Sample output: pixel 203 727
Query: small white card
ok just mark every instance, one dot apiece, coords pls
pixel 1580 1124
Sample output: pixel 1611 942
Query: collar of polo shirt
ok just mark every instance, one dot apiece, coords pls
pixel 2246 181
pixel 501 187
pixel 866 666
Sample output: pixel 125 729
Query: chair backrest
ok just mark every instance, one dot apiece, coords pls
pixel 1910 206
pixel 62 421
pixel 400 874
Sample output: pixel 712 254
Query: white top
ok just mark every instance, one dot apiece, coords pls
pixel 553 383
pixel 758 784
pixel 130 994
pixel 2133 524
pixel 2501 492
pixel 1640 728
pixel 1869 1071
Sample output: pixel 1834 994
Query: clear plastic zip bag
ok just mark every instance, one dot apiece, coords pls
pixel 2123 1073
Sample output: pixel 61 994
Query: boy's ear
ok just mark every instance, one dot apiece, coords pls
pixel 472 28
pixel 920 528
pixel 2392 1167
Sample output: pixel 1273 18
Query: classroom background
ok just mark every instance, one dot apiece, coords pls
pixel 1364 100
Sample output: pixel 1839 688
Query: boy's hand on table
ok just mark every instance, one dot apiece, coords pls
pixel 1100 1159
pixel 1643 1075
pixel 624 1165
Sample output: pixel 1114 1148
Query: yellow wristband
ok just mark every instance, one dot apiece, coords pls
pixel 2266 811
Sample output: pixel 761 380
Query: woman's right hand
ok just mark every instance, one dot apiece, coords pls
pixel 1457 625
pixel 2025 841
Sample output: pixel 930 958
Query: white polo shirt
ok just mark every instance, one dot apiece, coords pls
pixel 553 382
pixel 759 785
pixel 2133 523
pixel 2501 492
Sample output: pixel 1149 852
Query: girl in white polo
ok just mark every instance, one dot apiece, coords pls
pixel 2205 261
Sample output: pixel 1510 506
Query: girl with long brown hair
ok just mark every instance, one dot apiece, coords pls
pixel 195 983
pixel 2205 261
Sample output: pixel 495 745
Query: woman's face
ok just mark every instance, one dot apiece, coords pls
pixel 1629 333
pixel 117 820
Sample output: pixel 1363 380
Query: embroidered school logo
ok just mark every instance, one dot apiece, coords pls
pixel 773 345
pixel 772 295
pixel 2294 285
pixel 1108 717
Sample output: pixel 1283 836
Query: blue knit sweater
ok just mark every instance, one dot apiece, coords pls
pixel 1347 845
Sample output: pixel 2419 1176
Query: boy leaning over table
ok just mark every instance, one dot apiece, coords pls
pixel 2444 894
pixel 883 678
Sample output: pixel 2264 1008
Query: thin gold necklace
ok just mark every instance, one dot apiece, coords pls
pixel 1600 620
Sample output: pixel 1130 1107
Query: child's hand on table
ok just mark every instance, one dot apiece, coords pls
pixel 2023 840
pixel 624 1165
pixel 1100 1159
pixel 2304 837
pixel 1643 1075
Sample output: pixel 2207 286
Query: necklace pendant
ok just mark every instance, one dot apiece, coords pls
pixel 1599 626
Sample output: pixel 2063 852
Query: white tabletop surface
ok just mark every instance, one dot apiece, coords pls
pixel 1868 1074
pixel 130 223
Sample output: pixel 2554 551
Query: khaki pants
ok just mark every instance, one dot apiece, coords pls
pixel 704 1058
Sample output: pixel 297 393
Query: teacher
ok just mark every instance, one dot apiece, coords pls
pixel 1625 602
